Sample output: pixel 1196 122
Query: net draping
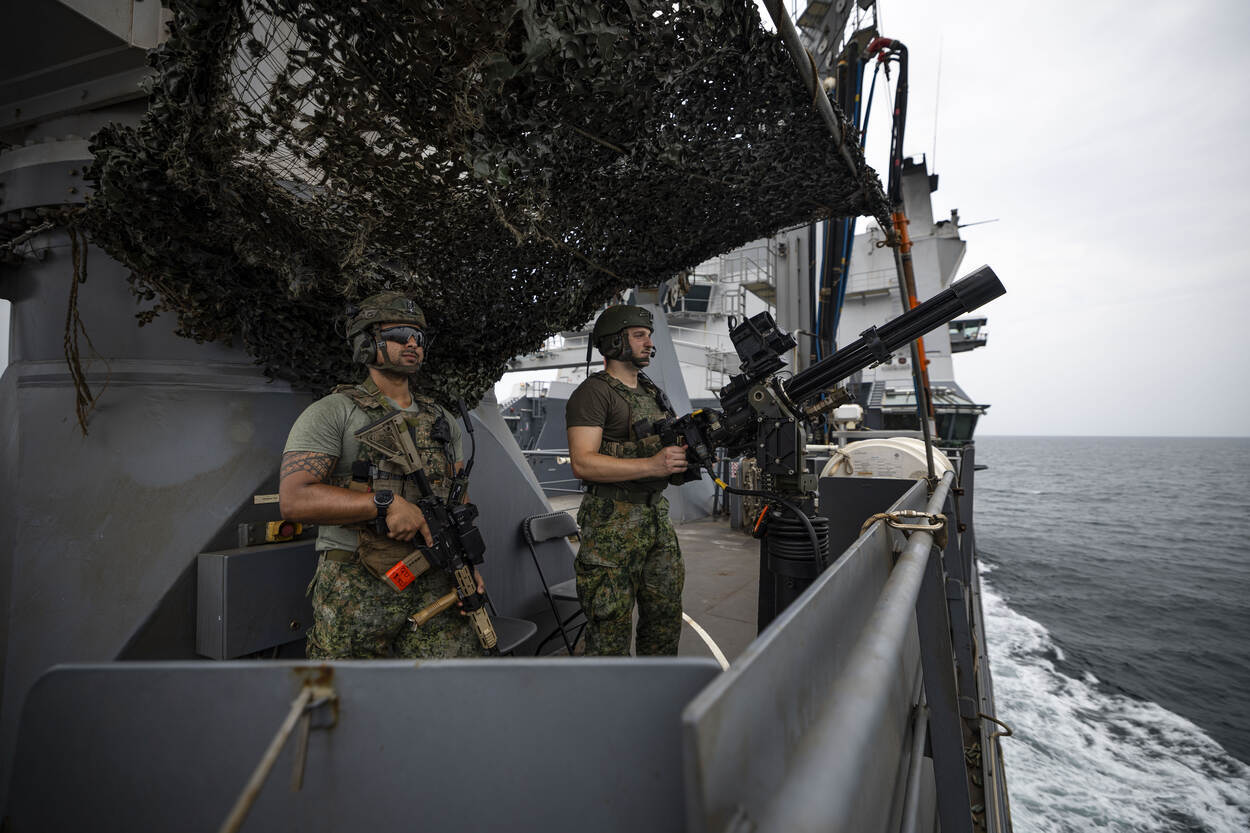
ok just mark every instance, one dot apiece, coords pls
pixel 511 165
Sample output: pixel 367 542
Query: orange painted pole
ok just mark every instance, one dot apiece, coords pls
pixel 909 278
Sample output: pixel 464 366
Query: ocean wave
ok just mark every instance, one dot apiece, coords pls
pixel 1083 759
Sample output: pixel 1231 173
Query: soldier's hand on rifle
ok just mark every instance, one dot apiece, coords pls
pixel 669 460
pixel 481 588
pixel 405 522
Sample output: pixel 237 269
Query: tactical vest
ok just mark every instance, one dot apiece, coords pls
pixel 430 436
pixel 431 440
pixel 647 402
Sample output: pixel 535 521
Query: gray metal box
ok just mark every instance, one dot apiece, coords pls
pixel 253 598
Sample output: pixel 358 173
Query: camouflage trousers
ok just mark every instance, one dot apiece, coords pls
pixel 358 616
pixel 629 554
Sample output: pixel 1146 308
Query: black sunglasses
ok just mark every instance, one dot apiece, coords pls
pixel 402 335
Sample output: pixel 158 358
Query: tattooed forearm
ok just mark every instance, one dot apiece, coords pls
pixel 318 465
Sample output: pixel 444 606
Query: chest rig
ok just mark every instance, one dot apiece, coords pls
pixel 645 402
pixel 396 444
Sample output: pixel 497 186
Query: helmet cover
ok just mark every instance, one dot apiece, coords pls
pixel 380 308
pixel 606 335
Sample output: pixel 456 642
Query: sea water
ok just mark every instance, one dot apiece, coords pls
pixel 1117 599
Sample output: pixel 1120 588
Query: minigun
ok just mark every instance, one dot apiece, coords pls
pixel 763 415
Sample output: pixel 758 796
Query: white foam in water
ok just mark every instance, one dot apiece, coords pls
pixel 1084 760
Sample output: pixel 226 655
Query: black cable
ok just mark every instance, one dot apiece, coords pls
pixel 802 516
pixel 468 424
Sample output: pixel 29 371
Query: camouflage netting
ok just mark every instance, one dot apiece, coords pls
pixel 513 165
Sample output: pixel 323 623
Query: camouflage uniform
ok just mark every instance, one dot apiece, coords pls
pixel 629 550
pixel 356 614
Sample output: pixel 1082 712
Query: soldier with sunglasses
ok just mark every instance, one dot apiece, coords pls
pixel 348 466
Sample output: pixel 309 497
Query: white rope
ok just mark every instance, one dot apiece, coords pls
pixel 715 649
pixel 250 792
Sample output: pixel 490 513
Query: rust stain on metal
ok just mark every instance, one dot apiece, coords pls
pixel 321 676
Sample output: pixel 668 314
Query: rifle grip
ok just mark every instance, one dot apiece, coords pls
pixel 480 618
pixel 422 616
pixel 484 627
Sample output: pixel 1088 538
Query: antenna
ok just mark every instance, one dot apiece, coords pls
pixel 937 96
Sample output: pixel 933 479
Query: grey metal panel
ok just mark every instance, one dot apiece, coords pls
pixel 450 745
pixel 505 490
pixel 849 501
pixel 843 659
pixel 253 598
pixel 955 583
pixel 101 527
pixel 967 498
pixel 47 184
pixel 794 302
pixel 55 60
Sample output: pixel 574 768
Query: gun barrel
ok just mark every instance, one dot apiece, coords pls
pixel 964 295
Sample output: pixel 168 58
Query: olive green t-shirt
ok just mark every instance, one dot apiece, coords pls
pixel 596 404
pixel 328 426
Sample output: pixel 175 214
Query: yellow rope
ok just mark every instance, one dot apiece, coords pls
pixel 994 735
pixel 936 525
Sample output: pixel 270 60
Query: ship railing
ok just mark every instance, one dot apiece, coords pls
pixel 695 337
pixel 751 264
pixel 563 485
pixel 873 282
pixel 856 708
pixel 558 344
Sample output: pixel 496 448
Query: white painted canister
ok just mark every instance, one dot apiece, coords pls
pixel 901 457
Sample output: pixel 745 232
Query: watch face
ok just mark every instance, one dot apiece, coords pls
pixel 383 497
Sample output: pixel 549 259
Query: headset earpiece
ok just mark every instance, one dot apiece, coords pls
pixel 616 346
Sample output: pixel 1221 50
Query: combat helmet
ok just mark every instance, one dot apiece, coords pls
pixel 606 335
pixel 363 322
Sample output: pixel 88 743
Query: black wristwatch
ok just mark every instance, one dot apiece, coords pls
pixel 382 499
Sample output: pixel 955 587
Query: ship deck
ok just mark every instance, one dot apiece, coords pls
pixel 722 581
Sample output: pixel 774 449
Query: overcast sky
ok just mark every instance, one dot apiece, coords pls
pixel 1107 139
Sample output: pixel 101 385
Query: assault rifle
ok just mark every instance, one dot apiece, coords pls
pixel 457 542
pixel 457 547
